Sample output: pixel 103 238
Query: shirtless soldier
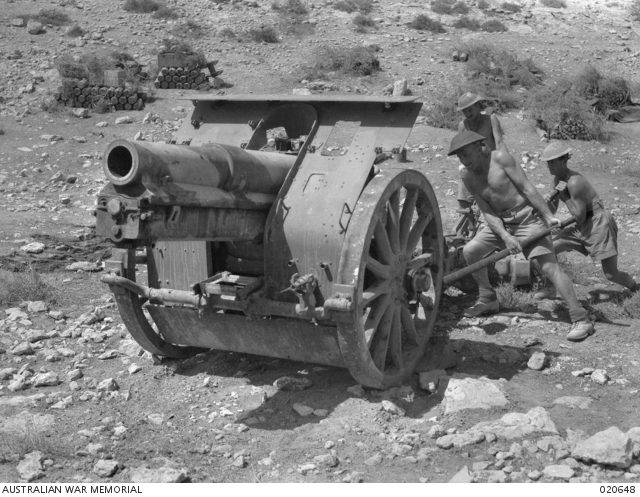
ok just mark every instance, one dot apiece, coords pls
pixel 596 233
pixel 513 210
pixel 487 126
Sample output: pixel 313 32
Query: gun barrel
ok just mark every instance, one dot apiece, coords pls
pixel 216 165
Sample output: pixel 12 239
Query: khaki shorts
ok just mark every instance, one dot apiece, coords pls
pixel 596 237
pixel 522 222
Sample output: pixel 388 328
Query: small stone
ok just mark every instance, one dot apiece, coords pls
pixel 302 410
pixel 49 379
pixel 462 476
pixel 430 380
pixel 436 431
pixel 124 120
pixel 611 447
pixel 31 467
pixel 134 368
pixel 291 384
pixel 326 460
pixel 534 475
pixel 74 374
pixel 303 469
pixel 108 385
pixel 109 354
pixel 33 248
pixel 23 348
pixel 393 408
pixel 374 460
pixel 34 27
pixel 105 468
pixel 560 471
pixel 356 390
pixel 600 376
pixel 37 306
pixel 537 361
pixel 81 113
pixel 160 475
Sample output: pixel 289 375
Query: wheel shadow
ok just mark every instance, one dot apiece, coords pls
pixel 333 395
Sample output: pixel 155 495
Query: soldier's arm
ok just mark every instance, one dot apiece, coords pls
pixel 461 127
pixel 520 180
pixel 574 197
pixel 497 132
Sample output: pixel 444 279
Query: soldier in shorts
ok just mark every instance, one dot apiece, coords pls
pixel 596 233
pixel 487 126
pixel 513 210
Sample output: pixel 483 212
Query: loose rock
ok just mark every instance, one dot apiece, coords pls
pixel 611 447
pixel 31 467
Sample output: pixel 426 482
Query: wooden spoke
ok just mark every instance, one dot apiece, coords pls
pixel 406 217
pixel 381 341
pixel 395 339
pixel 374 291
pixel 416 233
pixel 374 317
pixel 385 254
pixel 377 268
pixel 393 220
pixel 409 326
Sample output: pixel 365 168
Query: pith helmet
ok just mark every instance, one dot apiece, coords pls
pixel 462 140
pixel 467 100
pixel 555 150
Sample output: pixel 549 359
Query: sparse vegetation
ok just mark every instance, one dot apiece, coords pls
pixel 266 34
pixel 75 31
pixel 363 22
pixel 634 10
pixel 423 22
pixel 27 438
pixel 295 7
pixel 18 287
pixel 511 7
pixel 350 6
pixel 141 6
pixel 632 305
pixel 353 61
pixel 189 29
pixel 493 26
pixel 554 4
pixel 165 12
pixel 226 32
pixel 510 297
pixel 53 17
pixel 482 4
pixel 449 7
pixel 469 23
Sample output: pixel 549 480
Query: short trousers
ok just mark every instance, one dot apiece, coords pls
pixel 463 192
pixel 597 237
pixel 522 221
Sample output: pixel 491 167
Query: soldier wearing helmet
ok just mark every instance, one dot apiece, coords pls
pixel 596 232
pixel 486 125
pixel 513 210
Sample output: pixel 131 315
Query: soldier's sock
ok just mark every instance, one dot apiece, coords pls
pixel 487 295
pixel 579 314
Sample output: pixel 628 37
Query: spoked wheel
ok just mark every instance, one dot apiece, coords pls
pixel 393 256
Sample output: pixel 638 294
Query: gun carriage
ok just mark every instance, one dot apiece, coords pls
pixel 282 226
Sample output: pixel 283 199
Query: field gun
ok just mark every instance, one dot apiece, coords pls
pixel 284 226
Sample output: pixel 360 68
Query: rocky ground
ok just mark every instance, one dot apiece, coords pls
pixel 505 398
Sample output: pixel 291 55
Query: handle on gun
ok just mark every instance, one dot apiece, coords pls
pixel 453 277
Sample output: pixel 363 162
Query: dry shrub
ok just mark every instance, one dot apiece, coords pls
pixel 612 92
pixel 75 31
pixel 53 17
pixel 423 22
pixel 511 7
pixel 226 32
pixel 469 23
pixel 449 7
pixel 349 6
pixel 18 287
pixel 165 12
pixel 632 305
pixel 554 4
pixel 140 6
pixel 266 34
pixel 634 10
pixel 511 298
pixel 493 26
pixel 353 61
pixel 291 7
pixel 362 21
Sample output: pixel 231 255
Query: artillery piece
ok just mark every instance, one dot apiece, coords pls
pixel 318 246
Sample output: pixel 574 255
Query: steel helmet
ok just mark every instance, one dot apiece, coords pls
pixel 467 100
pixel 463 139
pixel 555 150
